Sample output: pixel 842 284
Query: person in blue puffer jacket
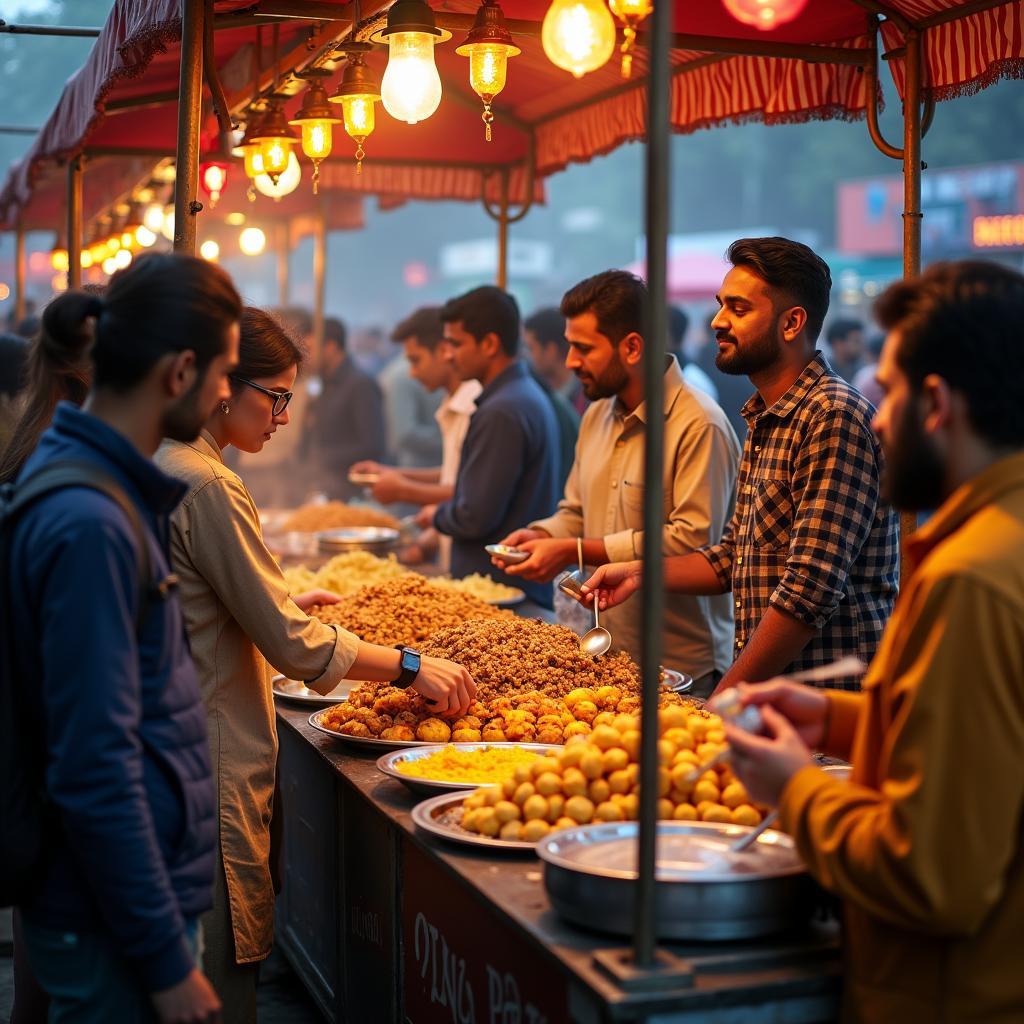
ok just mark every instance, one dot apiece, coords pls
pixel 110 927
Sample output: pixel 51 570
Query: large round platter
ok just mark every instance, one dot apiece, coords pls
pixel 435 816
pixel 370 743
pixel 388 764
pixel 375 539
pixel 299 693
pixel 678 681
pixel 704 892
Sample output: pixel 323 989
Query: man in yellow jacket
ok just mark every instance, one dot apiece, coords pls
pixel 925 844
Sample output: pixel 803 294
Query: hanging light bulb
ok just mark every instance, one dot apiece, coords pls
pixel 286 183
pixel 764 14
pixel 252 241
pixel 249 151
pixel 110 266
pixel 578 35
pixel 123 258
pixel 275 139
pixel 210 250
pixel 144 238
pixel 85 259
pixel 488 47
pixel 59 259
pixel 213 177
pixel 630 13
pixel 316 119
pixel 153 217
pixel 411 86
pixel 357 95
pixel 167 225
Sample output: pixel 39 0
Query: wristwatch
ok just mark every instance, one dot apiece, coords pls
pixel 410 665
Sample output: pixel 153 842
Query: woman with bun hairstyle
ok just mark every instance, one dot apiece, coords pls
pixel 243 623
pixel 54 373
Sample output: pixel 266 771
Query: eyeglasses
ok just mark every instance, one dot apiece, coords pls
pixel 281 398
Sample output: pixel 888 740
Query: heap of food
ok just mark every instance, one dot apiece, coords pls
pixel 533 685
pixel 473 766
pixel 405 610
pixel 597 778
pixel 345 574
pixel 333 515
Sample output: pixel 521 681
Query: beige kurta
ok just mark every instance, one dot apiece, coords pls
pixel 241 621
pixel 604 497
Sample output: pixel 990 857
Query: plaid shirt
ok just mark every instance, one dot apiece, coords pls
pixel 810 535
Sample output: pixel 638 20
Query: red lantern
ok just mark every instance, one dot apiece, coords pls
pixel 764 14
pixel 214 178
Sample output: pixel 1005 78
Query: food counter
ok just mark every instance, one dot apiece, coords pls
pixel 385 924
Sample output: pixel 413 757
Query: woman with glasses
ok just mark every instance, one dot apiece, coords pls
pixel 242 620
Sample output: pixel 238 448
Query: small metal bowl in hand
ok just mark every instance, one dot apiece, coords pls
pixel 571 583
pixel 510 556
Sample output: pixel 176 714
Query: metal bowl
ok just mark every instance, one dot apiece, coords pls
pixel 590 877
pixel 388 764
pixel 375 539
pixel 513 556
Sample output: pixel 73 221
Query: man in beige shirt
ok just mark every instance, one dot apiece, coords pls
pixel 604 495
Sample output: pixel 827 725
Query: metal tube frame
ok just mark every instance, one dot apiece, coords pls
pixel 319 283
pixel 658 164
pixel 503 220
pixel 189 117
pixel 74 229
pixel 283 263
pixel 49 30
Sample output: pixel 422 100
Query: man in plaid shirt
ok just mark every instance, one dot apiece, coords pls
pixel 811 554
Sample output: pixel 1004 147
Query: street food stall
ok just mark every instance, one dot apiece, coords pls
pixel 384 914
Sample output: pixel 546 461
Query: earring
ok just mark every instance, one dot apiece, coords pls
pixel 225 408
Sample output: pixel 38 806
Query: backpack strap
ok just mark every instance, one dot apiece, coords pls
pixel 55 476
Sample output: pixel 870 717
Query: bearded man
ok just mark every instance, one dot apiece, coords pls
pixel 604 495
pixel 811 555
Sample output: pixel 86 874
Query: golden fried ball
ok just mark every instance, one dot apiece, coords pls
pixel 671 717
pixel 511 830
pixel 493 733
pixel 685 812
pixel 592 763
pixel 549 734
pixel 573 697
pixel 354 728
pixel 546 764
pixel 576 729
pixel 534 830
pixel 585 711
pixel 665 809
pixel 556 807
pixel 735 794
pixel 466 736
pixel 603 718
pixel 619 781
pixel 523 793
pixel 580 809
pixel 599 790
pixel 574 782
pixel 706 791
pixel 607 811
pixel 614 760
pixel 608 696
pixel 506 811
pixel 605 736
pixel 564 822
pixel 682 738
pixel 433 730
pixel 548 783
pixel 745 815
pixel 405 733
pixel 716 812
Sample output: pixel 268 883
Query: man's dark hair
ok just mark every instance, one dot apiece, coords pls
pixel 485 310
pixel 162 303
pixel 841 327
pixel 678 325
pixel 792 268
pixel 334 332
pixel 548 327
pixel 424 325
pixel 961 321
pixel 615 297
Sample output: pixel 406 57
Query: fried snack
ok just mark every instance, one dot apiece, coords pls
pixel 333 515
pixel 406 610
pixel 597 778
pixel 488 764
pixel 345 574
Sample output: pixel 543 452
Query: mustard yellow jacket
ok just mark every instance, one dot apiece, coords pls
pixel 926 843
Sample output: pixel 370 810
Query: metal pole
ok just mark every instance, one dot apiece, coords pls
pixel 319 275
pixel 19 272
pixel 75 222
pixel 283 260
pixel 502 281
pixel 652 596
pixel 912 215
pixel 189 113
pixel 50 30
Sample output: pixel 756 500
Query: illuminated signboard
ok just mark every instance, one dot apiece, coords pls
pixel 1003 231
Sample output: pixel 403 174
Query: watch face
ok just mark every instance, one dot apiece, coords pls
pixel 410 661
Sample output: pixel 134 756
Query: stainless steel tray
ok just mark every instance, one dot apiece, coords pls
pixel 357 538
pixel 678 681
pixel 388 764
pixel 590 877
pixel 431 815
pixel 299 693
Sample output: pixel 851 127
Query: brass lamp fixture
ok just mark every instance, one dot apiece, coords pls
pixel 357 94
pixel 316 118
pixel 275 138
pixel 630 13
pixel 488 47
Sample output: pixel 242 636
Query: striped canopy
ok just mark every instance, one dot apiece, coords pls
pixel 722 72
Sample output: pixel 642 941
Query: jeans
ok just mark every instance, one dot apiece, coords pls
pixel 87 978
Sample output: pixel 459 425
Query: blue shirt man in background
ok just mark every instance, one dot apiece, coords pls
pixel 509 467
